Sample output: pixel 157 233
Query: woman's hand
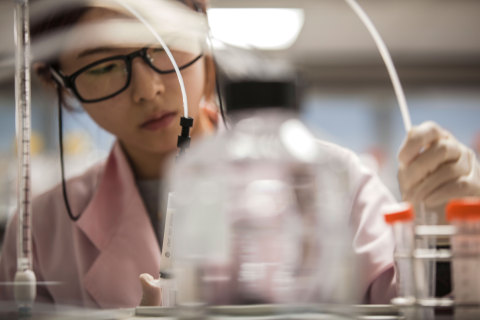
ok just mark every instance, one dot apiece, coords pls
pixel 434 167
pixel 151 292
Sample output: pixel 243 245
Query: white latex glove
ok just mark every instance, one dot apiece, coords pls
pixel 151 291
pixel 434 167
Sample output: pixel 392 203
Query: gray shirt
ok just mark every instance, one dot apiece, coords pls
pixel 150 192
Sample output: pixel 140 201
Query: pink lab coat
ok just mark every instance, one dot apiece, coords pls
pixel 99 258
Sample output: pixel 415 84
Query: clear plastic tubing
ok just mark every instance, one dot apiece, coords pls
pixel 400 218
pixel 387 59
pixel 136 14
pixel 464 214
pixel 22 106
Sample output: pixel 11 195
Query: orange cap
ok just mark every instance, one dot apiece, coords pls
pixel 463 209
pixel 401 213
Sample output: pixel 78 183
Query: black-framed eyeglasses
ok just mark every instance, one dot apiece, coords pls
pixel 108 77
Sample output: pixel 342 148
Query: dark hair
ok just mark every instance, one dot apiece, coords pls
pixel 64 17
pixel 73 12
pixel 69 13
pixel 57 20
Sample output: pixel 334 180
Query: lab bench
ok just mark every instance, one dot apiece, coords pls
pixel 250 312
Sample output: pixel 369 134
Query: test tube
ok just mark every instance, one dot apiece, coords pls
pixel 464 214
pixel 401 220
pixel 425 269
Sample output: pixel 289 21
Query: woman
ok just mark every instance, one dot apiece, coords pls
pixel 99 244
pixel 105 235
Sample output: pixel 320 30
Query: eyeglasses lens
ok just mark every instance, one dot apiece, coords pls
pixel 102 80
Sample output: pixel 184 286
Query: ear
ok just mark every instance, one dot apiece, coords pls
pixel 43 72
pixel 210 112
pixel 45 75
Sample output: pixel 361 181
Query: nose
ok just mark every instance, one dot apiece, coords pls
pixel 146 83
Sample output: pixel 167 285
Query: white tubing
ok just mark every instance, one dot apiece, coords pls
pixel 164 45
pixel 387 59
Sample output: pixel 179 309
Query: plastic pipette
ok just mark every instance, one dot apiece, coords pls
pixel 25 287
pixel 166 281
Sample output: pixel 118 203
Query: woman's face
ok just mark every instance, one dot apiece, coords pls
pixel 146 116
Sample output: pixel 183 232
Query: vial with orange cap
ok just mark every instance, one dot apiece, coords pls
pixel 401 218
pixel 464 214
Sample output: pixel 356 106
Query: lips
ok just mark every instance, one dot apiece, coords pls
pixel 159 122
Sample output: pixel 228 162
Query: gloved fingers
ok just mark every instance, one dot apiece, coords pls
pixel 151 292
pixel 419 138
pixel 445 173
pixel 439 153
pixel 458 188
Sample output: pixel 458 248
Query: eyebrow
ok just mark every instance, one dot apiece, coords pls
pixel 96 50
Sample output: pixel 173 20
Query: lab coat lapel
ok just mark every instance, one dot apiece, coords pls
pixel 117 223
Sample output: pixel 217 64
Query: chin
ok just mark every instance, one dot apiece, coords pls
pixel 165 149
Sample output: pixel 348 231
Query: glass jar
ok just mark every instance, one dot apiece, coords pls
pixel 464 214
pixel 261 217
